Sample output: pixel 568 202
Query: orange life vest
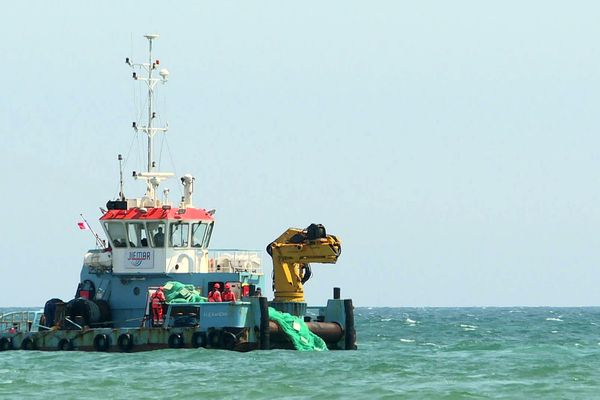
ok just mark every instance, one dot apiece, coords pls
pixel 214 296
pixel 228 296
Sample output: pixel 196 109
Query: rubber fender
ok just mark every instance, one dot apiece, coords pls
pixel 65 345
pixel 175 341
pixel 28 344
pixel 199 339
pixel 125 342
pixel 214 338
pixel 101 342
pixel 228 340
pixel 6 343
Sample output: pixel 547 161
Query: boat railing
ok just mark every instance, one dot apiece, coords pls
pixel 235 260
pixel 20 321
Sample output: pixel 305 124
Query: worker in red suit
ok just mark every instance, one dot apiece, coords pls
pixel 214 296
pixel 158 299
pixel 228 295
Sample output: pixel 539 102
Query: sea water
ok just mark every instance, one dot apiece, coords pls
pixel 412 353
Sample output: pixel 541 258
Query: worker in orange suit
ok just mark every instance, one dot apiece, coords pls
pixel 214 296
pixel 228 295
pixel 158 299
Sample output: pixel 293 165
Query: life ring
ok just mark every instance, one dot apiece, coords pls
pixel 6 343
pixel 199 339
pixel 28 344
pixel 101 342
pixel 228 340
pixel 65 344
pixel 175 341
pixel 214 338
pixel 125 342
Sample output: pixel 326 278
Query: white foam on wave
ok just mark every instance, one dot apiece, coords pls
pixel 385 319
pixel 407 340
pixel 467 327
pixel 554 319
pixel 410 321
pixel 437 345
pixel 553 331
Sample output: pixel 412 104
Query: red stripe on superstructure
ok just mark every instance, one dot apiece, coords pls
pixel 158 213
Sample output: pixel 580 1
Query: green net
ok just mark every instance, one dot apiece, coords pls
pixel 297 330
pixel 177 292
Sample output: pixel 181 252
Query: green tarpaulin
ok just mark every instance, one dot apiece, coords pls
pixel 297 330
pixel 177 292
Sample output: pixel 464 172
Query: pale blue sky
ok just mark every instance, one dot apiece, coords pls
pixel 452 146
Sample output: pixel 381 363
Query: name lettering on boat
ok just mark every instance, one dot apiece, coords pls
pixel 140 259
pixel 214 314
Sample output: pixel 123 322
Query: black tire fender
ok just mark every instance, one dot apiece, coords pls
pixel 6 343
pixel 101 342
pixel 199 339
pixel 28 344
pixel 65 345
pixel 228 340
pixel 214 338
pixel 125 342
pixel 175 341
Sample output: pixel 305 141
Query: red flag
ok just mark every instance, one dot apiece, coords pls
pixel 82 225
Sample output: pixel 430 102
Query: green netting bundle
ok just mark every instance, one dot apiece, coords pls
pixel 177 292
pixel 298 332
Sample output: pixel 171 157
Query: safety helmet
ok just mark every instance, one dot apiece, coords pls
pixel 217 286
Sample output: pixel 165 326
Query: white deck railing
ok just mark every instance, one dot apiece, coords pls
pixel 235 260
pixel 20 321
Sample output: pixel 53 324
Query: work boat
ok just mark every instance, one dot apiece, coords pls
pixel 154 283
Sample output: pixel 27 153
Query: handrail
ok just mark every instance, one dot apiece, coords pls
pixel 235 260
pixel 20 321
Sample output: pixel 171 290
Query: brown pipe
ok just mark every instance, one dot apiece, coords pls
pixel 330 332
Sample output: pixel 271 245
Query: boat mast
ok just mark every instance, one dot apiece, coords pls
pixel 151 81
pixel 150 96
pixel 152 178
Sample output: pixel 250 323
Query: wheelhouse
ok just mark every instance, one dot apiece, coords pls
pixel 160 240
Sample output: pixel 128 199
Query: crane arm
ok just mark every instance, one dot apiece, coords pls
pixel 292 251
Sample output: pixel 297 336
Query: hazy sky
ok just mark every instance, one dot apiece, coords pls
pixel 454 147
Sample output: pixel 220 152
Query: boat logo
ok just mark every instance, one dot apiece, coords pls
pixel 136 258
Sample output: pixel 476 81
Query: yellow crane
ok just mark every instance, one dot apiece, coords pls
pixel 292 252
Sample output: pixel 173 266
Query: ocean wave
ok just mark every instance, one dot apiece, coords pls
pixel 554 319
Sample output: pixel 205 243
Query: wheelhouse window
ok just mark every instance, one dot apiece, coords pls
pixel 179 234
pixel 137 234
pixel 156 231
pixel 116 233
pixel 208 235
pixel 200 234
